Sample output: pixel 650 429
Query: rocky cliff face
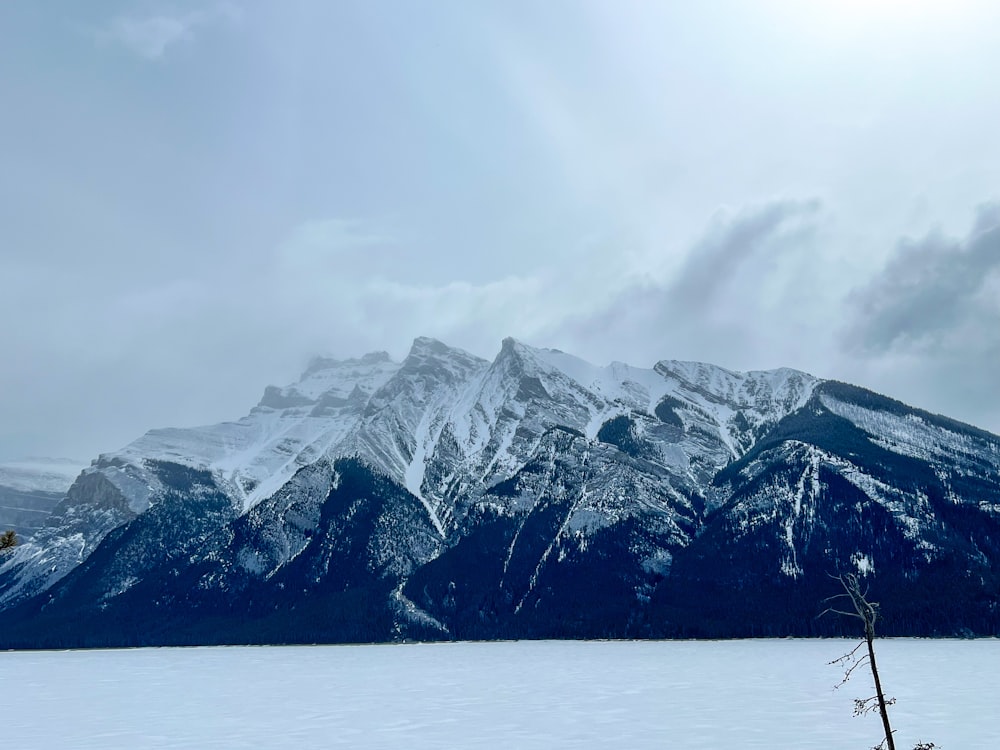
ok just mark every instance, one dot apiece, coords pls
pixel 536 495
pixel 30 490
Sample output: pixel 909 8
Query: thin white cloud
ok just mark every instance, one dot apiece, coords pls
pixel 327 241
pixel 152 35
pixel 327 287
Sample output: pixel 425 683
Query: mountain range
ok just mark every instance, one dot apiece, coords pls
pixel 532 496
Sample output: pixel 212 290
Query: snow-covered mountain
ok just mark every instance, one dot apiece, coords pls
pixel 31 488
pixel 448 496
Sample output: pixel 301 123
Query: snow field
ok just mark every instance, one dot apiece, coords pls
pixel 527 695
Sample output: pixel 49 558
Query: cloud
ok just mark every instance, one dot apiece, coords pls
pixel 734 296
pixel 762 233
pixel 336 283
pixel 152 35
pixel 935 294
pixel 758 289
pixel 318 246
pixel 767 286
pixel 926 327
pixel 345 270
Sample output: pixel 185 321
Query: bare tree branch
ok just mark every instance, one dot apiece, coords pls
pixel 867 612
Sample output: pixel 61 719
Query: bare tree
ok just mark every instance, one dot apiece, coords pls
pixel 866 611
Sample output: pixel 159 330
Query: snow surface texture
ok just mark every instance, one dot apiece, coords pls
pixel 527 695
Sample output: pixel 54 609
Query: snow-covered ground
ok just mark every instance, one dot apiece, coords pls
pixel 635 695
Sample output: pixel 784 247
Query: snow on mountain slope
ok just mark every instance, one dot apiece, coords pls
pixel 249 460
pixel 915 435
pixel 534 494
pixel 30 490
pixel 290 428
pixel 741 404
pixel 403 420
pixel 877 463
pixel 444 424
pixel 442 408
pixel 75 528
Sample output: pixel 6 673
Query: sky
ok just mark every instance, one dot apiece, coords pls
pixel 196 198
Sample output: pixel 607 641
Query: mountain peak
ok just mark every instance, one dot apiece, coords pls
pixel 319 364
pixel 508 344
pixel 511 347
pixel 514 357
pixel 426 352
pixel 423 345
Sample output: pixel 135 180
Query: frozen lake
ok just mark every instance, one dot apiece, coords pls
pixel 526 695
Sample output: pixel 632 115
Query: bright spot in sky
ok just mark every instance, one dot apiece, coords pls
pixel 852 20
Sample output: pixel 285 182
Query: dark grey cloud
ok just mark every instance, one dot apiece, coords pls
pixel 926 328
pixel 760 233
pixel 933 293
pixel 728 302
